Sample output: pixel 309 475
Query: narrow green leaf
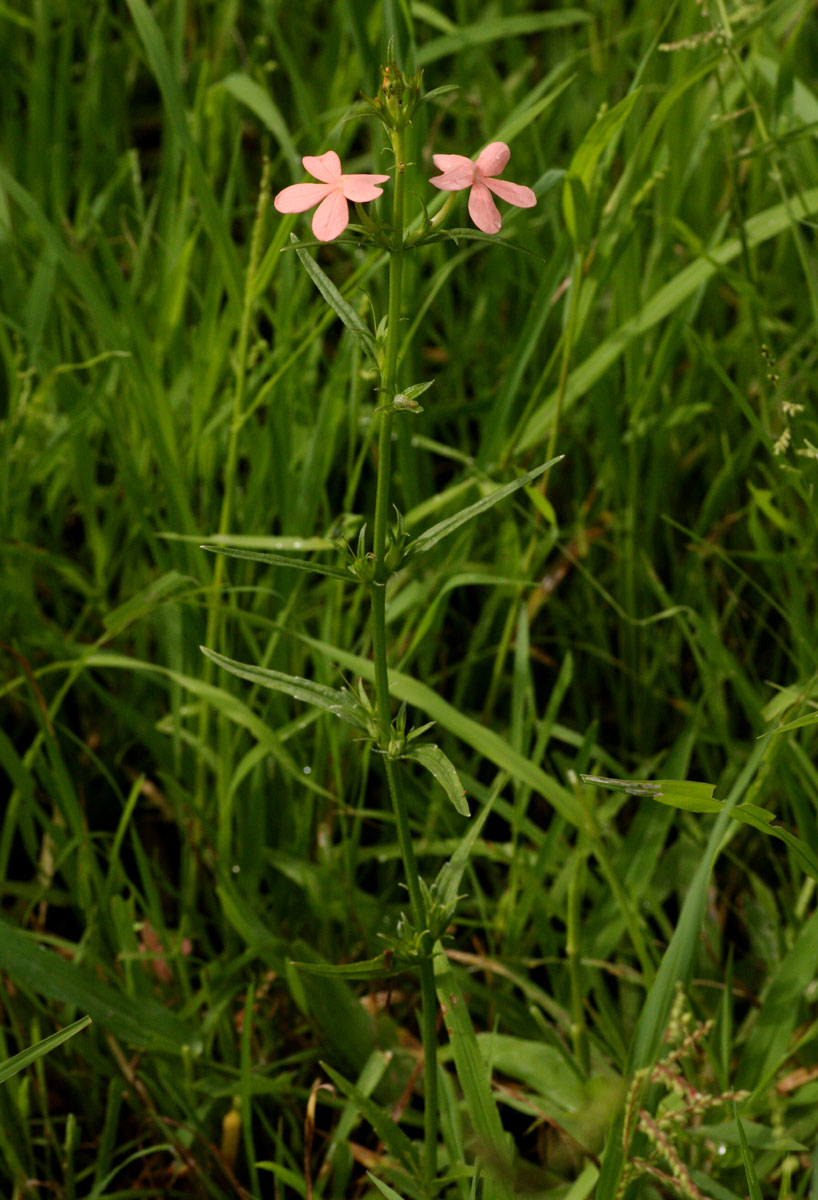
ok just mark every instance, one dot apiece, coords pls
pixel 156 593
pixel 754 1187
pixel 580 176
pixel 337 302
pixel 450 874
pixel 432 536
pixel 282 560
pixel 212 217
pixel 485 741
pixel 671 296
pixel 340 704
pixel 140 1023
pixel 370 968
pixel 474 1078
pixel 760 818
pixel 259 101
pixel 20 1061
pixel 286 1176
pixel 677 961
pixel 799 723
pixel 391 1135
pixel 679 793
pixel 495 29
pixel 385 1189
pixel 770 1039
pixel 435 761
pixel 582 1186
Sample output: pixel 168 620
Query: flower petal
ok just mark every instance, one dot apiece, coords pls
pixel 445 162
pixel 326 167
pixel 456 177
pixel 512 193
pixel 493 159
pixel 331 216
pixel 300 196
pixel 363 187
pixel 483 210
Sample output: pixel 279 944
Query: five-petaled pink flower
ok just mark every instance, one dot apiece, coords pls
pixel 480 176
pixel 331 194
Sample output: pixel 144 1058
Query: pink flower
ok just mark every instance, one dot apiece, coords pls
pixel 480 176
pixel 331 194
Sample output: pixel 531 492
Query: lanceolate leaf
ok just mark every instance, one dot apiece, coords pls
pixel 371 968
pixel 679 793
pixel 282 560
pixel 390 1134
pixel 337 302
pixel 435 761
pixel 20 1061
pixel 340 704
pixel 432 536
pixel 760 818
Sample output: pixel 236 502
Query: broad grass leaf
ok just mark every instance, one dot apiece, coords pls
pixel 24 1059
pixel 161 590
pixel 770 1039
pixel 495 28
pixel 677 961
pixel 475 1081
pixel 259 101
pixel 346 1028
pixel 582 1186
pixel 144 1023
pixel 584 163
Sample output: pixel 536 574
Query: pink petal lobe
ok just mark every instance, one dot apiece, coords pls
pixel 331 216
pixel 455 178
pixel 300 196
pixel 512 193
pixel 493 159
pixel 326 167
pixel 363 187
pixel 483 210
pixel 445 162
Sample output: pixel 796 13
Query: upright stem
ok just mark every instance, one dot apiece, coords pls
pixel 382 704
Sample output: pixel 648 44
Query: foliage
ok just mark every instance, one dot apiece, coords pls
pixel 177 841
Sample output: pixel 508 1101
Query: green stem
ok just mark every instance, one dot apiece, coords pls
pixel 382 702
pixel 568 339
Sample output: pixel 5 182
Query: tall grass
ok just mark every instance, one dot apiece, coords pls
pixel 173 840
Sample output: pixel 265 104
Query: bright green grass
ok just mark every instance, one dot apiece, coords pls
pixel 680 569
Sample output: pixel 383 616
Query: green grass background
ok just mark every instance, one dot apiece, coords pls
pixel 676 627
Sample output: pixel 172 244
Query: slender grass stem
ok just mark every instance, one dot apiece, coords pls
pixel 215 616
